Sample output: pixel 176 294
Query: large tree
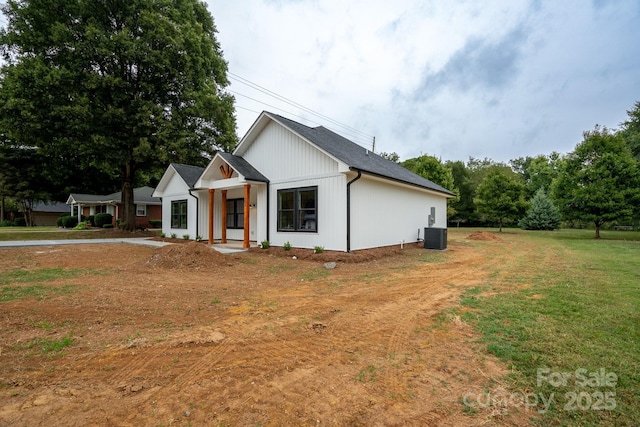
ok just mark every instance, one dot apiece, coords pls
pixel 600 181
pixel 500 198
pixel 433 169
pixel 631 130
pixel 120 86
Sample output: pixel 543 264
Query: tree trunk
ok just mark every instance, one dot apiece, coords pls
pixel 1 208
pixel 597 230
pixel 500 220
pixel 128 222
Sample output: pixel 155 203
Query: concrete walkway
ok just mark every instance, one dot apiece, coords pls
pixel 231 248
pixel 145 241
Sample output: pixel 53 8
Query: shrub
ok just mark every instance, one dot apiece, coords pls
pixel 287 246
pixel 20 222
pixel 107 225
pixel 155 223
pixel 91 219
pixel 542 215
pixel 318 249
pixel 198 238
pixel 185 236
pixel 7 223
pixel 103 218
pixel 173 235
pixel 265 244
pixel 84 225
pixel 163 235
pixel 59 220
pixel 68 221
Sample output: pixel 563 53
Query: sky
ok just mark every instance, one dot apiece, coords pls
pixel 456 79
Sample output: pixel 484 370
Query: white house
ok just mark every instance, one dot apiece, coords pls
pixel 287 182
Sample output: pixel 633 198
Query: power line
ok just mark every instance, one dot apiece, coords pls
pixel 354 136
pixel 296 104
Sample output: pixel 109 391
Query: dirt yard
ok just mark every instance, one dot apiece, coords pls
pixel 184 335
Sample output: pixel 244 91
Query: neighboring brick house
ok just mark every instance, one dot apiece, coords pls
pixel 147 206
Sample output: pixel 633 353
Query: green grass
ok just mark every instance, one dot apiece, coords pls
pixel 48 345
pixel 48 233
pixel 13 288
pixel 580 310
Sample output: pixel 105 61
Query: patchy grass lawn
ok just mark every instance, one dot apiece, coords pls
pixel 565 316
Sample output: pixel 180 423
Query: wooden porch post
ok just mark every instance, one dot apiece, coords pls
pixel 211 194
pixel 247 198
pixel 224 216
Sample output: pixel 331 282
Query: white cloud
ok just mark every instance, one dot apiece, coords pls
pixel 498 79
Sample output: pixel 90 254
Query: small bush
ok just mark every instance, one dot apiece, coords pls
pixel 59 220
pixel 287 246
pixel 185 236
pixel 107 225
pixel 7 223
pixel 163 235
pixel 318 249
pixel 91 219
pixel 265 244
pixel 20 222
pixel 198 238
pixel 68 221
pixel 84 225
pixel 155 223
pixel 103 218
pixel 173 235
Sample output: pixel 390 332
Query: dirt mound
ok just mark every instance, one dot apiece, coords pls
pixel 192 256
pixel 483 235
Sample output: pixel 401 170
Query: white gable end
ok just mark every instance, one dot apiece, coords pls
pixel 282 155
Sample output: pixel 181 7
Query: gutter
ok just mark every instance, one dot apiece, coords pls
pixel 197 212
pixel 349 209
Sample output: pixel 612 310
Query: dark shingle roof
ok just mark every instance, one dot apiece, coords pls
pixel 54 207
pixel 243 167
pixel 357 157
pixel 189 174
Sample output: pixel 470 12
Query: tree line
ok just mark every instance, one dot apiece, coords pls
pixel 596 184
pixel 100 95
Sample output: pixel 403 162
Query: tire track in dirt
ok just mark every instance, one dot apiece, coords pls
pixel 142 358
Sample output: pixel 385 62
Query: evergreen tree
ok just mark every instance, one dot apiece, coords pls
pixel 542 215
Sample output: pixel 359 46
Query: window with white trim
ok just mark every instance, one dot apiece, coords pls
pixel 141 210
pixel 179 214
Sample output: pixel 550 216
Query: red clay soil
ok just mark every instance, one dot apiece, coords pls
pixel 484 236
pixel 183 335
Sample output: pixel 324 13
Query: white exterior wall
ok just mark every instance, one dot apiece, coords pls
pixel 385 213
pixel 281 155
pixel 177 190
pixel 290 162
pixel 331 218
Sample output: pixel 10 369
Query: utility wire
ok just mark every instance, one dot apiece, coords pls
pixel 296 104
pixel 354 136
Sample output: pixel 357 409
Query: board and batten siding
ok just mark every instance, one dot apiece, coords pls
pixel 331 218
pixel 384 213
pixel 291 162
pixel 280 155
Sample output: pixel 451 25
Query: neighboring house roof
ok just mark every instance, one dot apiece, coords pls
pixel 243 167
pixel 355 156
pixel 188 173
pixel 141 195
pixel 54 207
